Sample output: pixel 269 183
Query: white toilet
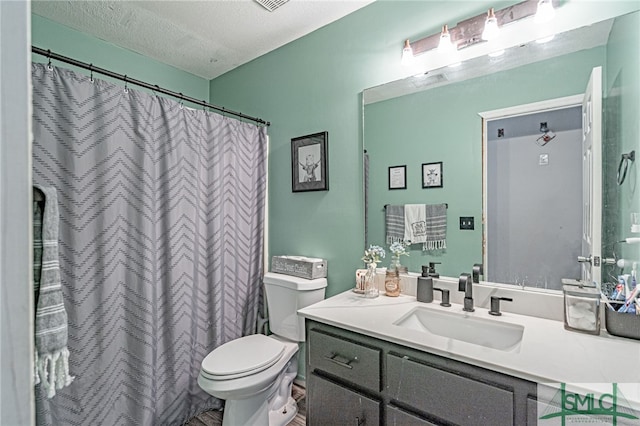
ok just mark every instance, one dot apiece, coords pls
pixel 254 373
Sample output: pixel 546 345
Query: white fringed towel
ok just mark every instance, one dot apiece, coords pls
pixel 51 353
pixel 426 224
pixel 415 223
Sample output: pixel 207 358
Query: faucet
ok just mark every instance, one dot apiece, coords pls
pixel 495 305
pixel 478 270
pixel 465 283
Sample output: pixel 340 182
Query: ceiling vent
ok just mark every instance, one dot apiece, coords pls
pixel 271 5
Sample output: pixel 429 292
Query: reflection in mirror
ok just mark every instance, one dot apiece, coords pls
pixel 436 120
pixel 534 183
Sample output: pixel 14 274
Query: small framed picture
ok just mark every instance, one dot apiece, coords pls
pixel 432 175
pixel 398 177
pixel 309 170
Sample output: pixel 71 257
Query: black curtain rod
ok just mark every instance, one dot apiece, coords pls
pixel 51 55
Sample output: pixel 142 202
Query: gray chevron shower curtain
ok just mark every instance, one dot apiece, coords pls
pixel 161 229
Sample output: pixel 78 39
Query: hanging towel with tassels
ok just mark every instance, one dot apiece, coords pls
pixel 436 221
pixel 415 223
pixel 51 353
pixel 394 219
pixel 426 224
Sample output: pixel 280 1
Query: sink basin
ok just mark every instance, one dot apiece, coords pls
pixel 464 327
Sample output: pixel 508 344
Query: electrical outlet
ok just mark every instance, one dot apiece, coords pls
pixel 466 222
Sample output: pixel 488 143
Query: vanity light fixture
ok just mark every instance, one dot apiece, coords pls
pixel 407 54
pixel 479 29
pixel 491 29
pixel 545 12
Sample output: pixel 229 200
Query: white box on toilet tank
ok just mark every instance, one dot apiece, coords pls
pixel 299 266
pixel 285 296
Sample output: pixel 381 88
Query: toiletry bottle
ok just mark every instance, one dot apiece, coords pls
pixel 424 291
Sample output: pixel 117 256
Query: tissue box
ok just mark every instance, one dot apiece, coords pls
pixel 299 266
pixel 581 309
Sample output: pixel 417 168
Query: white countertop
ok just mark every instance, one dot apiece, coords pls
pixel 547 353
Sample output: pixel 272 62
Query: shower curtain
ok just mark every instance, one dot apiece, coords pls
pixel 161 230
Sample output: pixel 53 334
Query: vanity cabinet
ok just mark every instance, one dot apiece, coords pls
pixel 356 379
pixel 329 403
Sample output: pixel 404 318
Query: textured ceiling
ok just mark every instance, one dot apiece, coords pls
pixel 205 38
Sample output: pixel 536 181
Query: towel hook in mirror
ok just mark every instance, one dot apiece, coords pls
pixel 625 160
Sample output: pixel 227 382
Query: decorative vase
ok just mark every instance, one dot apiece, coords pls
pixel 370 287
pixel 395 265
pixel 392 282
pixel 395 262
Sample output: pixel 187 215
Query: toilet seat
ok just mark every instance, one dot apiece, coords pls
pixel 242 357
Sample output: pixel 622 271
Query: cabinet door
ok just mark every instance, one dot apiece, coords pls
pixel 331 404
pixel 397 417
pixel 452 397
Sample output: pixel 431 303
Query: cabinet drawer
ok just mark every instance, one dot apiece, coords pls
pixel 331 404
pixel 454 398
pixel 397 417
pixel 345 359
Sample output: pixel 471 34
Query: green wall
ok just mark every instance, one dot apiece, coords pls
pixel 434 125
pixel 65 41
pixel 314 84
pixel 622 134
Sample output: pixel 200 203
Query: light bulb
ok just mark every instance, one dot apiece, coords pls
pixel 445 45
pixel 545 12
pixel 448 49
pixel 491 29
pixel 407 54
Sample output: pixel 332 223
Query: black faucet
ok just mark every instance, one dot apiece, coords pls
pixel 478 270
pixel 495 305
pixel 445 296
pixel 465 283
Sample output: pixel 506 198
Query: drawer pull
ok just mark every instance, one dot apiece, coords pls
pixel 334 358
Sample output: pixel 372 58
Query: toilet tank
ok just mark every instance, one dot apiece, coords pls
pixel 285 295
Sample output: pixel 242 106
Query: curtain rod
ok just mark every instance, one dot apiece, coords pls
pixel 51 55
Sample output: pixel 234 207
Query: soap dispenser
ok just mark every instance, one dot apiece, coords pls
pixel 424 292
pixel 431 270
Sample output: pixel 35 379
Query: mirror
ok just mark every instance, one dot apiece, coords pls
pixel 435 118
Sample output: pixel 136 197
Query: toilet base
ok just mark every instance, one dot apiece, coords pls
pixel 255 412
pixel 285 414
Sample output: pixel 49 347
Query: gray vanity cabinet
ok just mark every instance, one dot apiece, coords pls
pixel 356 379
pixel 336 360
pixel 329 403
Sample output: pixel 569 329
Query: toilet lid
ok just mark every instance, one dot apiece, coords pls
pixel 244 356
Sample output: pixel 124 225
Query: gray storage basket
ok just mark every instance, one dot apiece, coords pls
pixel 622 324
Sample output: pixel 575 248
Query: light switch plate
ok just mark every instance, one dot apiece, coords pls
pixel 466 222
